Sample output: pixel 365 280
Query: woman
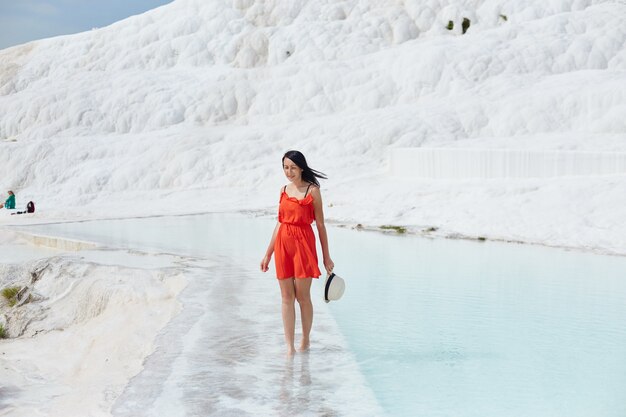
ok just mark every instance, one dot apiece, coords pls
pixel 293 244
pixel 10 202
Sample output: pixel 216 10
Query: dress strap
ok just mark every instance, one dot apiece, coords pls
pixel 285 189
pixel 307 190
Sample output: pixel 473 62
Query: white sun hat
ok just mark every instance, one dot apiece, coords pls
pixel 334 286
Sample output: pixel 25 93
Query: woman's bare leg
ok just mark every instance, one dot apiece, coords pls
pixel 303 295
pixel 288 294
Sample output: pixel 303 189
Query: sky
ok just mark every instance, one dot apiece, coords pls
pixel 27 20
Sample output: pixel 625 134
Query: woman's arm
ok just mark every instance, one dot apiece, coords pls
pixel 321 228
pixel 270 250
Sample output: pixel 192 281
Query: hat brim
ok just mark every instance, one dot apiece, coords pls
pixel 327 282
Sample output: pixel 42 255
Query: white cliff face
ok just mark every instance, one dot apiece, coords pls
pixel 195 102
pixel 57 293
pixel 81 327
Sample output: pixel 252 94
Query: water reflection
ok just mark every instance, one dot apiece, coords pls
pixel 295 389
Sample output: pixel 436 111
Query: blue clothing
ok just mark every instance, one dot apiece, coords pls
pixel 10 203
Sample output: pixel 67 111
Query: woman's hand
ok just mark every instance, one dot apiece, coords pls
pixel 329 265
pixel 264 263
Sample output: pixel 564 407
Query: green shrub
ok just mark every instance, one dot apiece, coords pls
pixel 450 25
pixel 10 293
pixel 503 17
pixel 398 229
pixel 465 25
pixel 3 332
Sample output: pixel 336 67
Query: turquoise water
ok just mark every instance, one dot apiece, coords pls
pixel 444 327
pixel 458 328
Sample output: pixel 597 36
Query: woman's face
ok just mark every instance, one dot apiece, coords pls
pixel 292 171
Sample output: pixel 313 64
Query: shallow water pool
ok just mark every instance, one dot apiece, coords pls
pixel 441 327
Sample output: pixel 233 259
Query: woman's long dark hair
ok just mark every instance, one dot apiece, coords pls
pixel 308 174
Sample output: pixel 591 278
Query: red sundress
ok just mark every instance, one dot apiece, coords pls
pixel 295 255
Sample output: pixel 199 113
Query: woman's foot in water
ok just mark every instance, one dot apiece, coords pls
pixel 304 345
pixel 291 351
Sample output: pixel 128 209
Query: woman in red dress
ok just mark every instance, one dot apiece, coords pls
pixel 293 244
